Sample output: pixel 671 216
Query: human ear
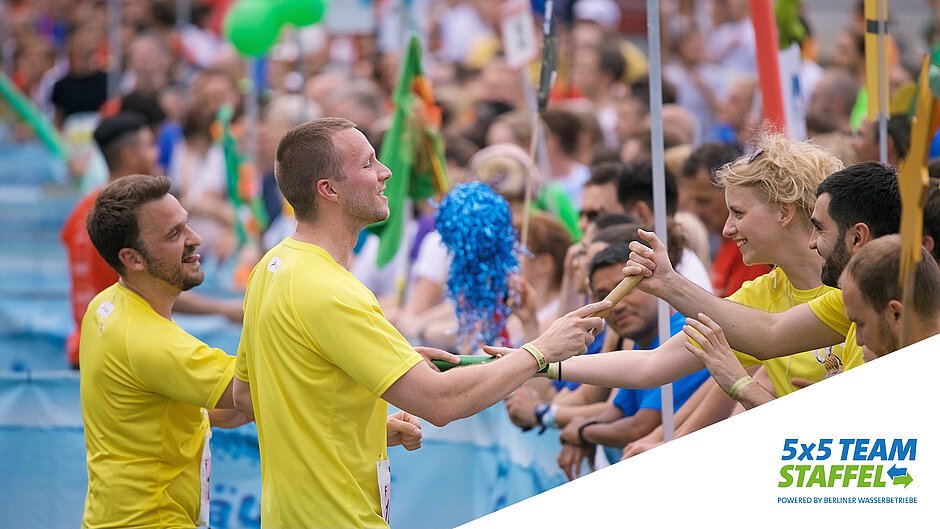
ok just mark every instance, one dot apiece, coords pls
pixel 326 189
pixel 132 259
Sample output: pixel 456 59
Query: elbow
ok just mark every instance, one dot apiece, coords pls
pixel 440 418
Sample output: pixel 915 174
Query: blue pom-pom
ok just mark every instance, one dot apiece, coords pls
pixel 476 226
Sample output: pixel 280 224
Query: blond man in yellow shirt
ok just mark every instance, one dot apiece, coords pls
pixel 318 362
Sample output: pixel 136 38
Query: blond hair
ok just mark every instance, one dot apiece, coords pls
pixel 782 171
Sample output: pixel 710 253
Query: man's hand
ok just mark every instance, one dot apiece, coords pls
pixel 638 447
pixel 652 262
pixel 567 336
pixel 569 434
pixel 430 353
pixel 402 428
pixel 571 456
pixel 570 334
pixel 521 406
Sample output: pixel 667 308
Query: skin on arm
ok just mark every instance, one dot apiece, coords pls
pixel 226 414
pixel 457 393
pixel 612 428
pixel 191 303
pixel 761 334
pixel 716 354
pixel 585 401
pixel 635 369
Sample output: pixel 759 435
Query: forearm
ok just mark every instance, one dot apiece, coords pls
pixel 565 414
pixel 633 369
pixel 713 406
pixel 226 418
pixel 192 303
pixel 457 393
pixel 241 393
pixel 753 331
pixel 753 395
pixel 622 431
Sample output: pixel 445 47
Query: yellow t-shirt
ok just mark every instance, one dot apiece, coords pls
pixel 830 308
pixel 318 353
pixel 144 384
pixel 774 292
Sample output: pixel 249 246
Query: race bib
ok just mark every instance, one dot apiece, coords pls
pixel 385 485
pixel 205 468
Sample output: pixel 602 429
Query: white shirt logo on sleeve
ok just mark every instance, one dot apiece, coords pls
pixel 274 264
pixel 104 310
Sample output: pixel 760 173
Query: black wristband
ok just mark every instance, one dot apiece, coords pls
pixel 581 432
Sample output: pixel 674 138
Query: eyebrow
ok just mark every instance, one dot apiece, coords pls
pixel 175 227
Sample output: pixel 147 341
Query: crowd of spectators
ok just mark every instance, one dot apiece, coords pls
pixel 591 175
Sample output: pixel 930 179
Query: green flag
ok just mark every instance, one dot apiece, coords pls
pixel 412 150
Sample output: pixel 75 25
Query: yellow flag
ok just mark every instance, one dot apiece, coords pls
pixel 913 181
pixel 876 80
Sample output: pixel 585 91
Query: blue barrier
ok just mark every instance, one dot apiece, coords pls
pixel 483 462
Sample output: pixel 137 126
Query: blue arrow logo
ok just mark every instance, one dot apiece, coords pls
pixel 896 472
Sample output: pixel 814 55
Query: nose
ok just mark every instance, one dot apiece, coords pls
pixel 814 240
pixel 192 238
pixel 384 172
pixel 729 228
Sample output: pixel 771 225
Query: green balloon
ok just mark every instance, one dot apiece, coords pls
pixel 300 12
pixel 252 27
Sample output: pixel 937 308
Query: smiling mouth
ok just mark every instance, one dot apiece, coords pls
pixel 740 242
pixel 191 258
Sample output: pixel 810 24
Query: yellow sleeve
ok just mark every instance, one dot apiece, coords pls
pixel 357 338
pixel 831 310
pixel 173 363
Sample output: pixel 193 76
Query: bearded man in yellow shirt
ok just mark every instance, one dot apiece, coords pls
pixel 318 362
pixel 145 383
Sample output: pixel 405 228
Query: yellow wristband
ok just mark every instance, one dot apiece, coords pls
pixel 738 386
pixel 534 351
pixel 554 370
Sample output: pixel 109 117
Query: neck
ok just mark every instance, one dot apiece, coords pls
pixel 157 294
pixel 802 265
pixel 921 330
pixel 337 237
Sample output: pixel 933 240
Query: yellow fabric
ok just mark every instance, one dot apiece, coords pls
pixel 144 384
pixel 318 353
pixel 831 310
pixel 773 292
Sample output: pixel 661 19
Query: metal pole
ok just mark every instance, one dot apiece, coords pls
pixel 183 11
pixel 114 48
pixel 7 46
pixel 659 181
pixel 882 82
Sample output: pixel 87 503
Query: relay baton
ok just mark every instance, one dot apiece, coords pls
pixel 619 292
pixel 465 360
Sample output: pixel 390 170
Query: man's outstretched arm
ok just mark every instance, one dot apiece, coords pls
pixel 761 334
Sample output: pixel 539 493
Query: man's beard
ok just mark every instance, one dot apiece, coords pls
pixel 835 264
pixel 174 276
